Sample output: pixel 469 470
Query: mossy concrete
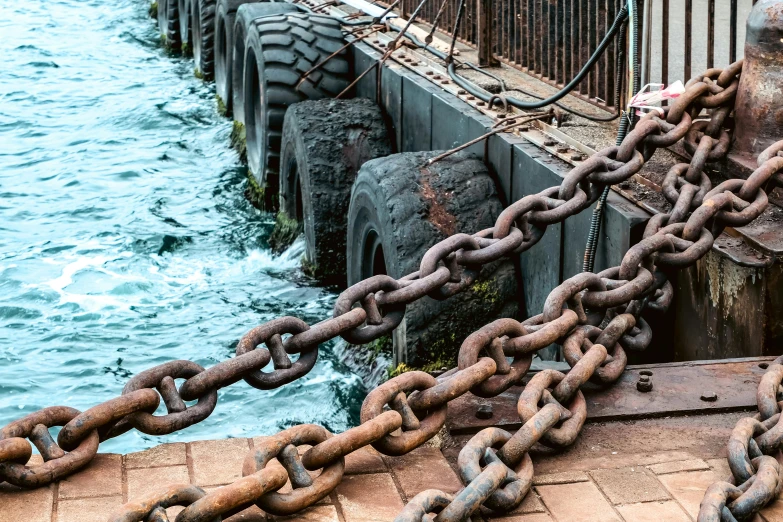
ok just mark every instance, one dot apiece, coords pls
pixel 198 74
pixel 153 11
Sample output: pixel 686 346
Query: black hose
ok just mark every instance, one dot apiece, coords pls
pixel 625 123
pixel 482 95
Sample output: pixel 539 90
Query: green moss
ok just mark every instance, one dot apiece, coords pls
pixel 239 140
pixel 430 367
pixel 285 232
pixel 485 291
pixel 153 10
pixel 308 268
pixel 399 370
pixel 221 105
pixel 254 193
pixel 186 49
pixel 198 74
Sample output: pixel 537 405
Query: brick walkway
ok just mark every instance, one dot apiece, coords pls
pixel 665 486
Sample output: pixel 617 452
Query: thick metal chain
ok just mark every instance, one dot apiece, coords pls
pixel 417 400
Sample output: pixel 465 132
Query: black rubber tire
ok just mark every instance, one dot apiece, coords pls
pixel 203 33
pixel 399 210
pixel 168 23
pixel 225 16
pixel 246 12
pixel 278 51
pixel 325 142
pixel 185 12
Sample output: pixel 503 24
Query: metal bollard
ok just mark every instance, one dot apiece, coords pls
pixel 759 105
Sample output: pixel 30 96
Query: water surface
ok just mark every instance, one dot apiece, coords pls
pixel 125 238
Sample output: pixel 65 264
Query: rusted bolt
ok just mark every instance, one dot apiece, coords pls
pixel 644 384
pixel 471 98
pixel 437 77
pixel 484 411
pixel 709 397
pixel 550 143
pixel 444 81
pixel 481 104
pixel 429 73
pixel 414 63
pixel 645 372
pixel 376 41
pixel 562 149
pixel 381 44
pixel 462 92
pixel 523 128
pixel 576 156
pixel 763 366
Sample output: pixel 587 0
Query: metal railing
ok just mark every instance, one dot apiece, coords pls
pixel 680 37
pixel 552 39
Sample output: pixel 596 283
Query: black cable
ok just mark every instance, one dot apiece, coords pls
pixel 622 16
pixel 476 91
pixel 625 124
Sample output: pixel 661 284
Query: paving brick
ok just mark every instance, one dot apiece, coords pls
pixel 26 505
pixel 629 485
pixel 313 514
pixel 142 482
pixel 721 467
pixel 218 462
pixel 365 460
pixel 424 468
pixel 535 517
pixel 581 502
pixel 547 463
pixel 87 509
pixel 680 465
pixel 101 478
pixel 163 455
pixel 566 477
pixel 773 512
pixel 530 504
pixel 369 498
pixel 688 488
pixel 668 511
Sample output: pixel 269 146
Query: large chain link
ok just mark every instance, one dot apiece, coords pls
pixel 595 316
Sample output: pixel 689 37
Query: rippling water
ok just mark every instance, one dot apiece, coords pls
pixel 125 239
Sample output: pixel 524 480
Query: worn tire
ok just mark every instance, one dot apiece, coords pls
pixel 399 210
pixel 225 17
pixel 324 144
pixel 203 33
pixel 185 12
pixel 245 13
pixel 278 51
pixel 168 23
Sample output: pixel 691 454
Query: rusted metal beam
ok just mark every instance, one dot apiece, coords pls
pixel 677 389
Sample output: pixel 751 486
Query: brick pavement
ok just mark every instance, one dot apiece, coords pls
pixel 665 486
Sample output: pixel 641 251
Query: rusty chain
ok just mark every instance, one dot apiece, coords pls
pixel 595 316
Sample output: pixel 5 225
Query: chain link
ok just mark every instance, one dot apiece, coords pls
pixel 595 316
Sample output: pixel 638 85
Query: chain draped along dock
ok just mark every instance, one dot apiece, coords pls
pixel 580 436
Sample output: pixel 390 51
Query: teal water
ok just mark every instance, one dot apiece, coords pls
pixel 125 238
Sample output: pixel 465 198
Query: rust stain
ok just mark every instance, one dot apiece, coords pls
pixel 437 214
